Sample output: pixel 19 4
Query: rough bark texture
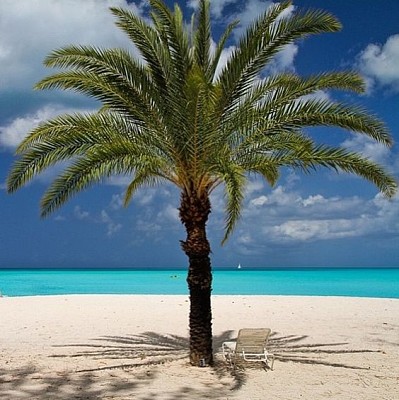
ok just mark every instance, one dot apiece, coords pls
pixel 194 212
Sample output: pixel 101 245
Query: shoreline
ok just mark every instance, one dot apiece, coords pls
pixel 168 295
pixel 375 283
pixel 184 268
pixel 135 346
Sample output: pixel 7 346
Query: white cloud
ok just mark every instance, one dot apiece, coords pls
pixel 254 186
pixel 369 148
pixel 169 214
pixel 312 200
pixel 158 215
pixel 13 133
pixel 217 6
pixel 318 95
pixel 80 214
pixel 116 202
pixel 224 58
pixel 29 30
pixel 278 196
pixel 112 226
pixel 380 63
pixel 248 14
pixel 304 230
pixel 192 4
pixel 283 216
pixel 284 60
pixel 388 210
pixel 147 228
pixel 119 180
pixel 145 196
pixel 102 218
pixel 259 201
pixel 375 216
pixel 292 179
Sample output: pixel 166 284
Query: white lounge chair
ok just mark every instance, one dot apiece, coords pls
pixel 250 346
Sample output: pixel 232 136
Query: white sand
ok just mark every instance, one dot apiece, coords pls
pixel 135 347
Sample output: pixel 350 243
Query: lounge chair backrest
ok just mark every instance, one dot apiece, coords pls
pixel 254 338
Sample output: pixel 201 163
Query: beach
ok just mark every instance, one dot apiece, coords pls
pixel 135 347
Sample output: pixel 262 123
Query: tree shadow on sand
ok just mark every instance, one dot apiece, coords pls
pixel 139 359
pixel 35 383
pixel 292 348
pixel 143 358
pixel 150 349
pixel 297 349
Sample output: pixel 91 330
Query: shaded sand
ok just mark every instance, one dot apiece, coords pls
pixel 135 347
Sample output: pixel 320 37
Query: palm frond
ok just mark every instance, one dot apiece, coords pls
pixel 337 158
pixel 233 177
pixel 263 40
pixel 81 128
pixel 143 177
pixel 71 136
pixel 220 47
pixel 284 88
pixel 97 164
pixel 108 89
pixel 177 38
pixel 327 113
pixel 202 40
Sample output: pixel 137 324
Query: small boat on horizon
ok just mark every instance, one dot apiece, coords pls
pixel 239 266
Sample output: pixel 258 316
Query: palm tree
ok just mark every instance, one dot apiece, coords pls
pixel 171 117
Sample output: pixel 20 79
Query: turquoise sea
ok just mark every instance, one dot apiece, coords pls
pixel 355 282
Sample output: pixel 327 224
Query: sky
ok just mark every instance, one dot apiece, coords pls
pixel 323 219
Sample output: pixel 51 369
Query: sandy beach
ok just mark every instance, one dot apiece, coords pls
pixel 135 347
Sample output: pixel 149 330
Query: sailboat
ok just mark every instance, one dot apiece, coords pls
pixel 239 266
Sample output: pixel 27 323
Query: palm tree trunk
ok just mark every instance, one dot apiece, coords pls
pixel 194 213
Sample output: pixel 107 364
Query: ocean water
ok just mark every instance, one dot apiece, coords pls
pixel 354 282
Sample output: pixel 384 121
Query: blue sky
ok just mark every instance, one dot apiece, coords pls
pixel 319 220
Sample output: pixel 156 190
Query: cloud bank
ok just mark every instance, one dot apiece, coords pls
pixel 379 63
pixel 47 25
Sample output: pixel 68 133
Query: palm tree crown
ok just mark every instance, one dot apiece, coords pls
pixel 170 117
